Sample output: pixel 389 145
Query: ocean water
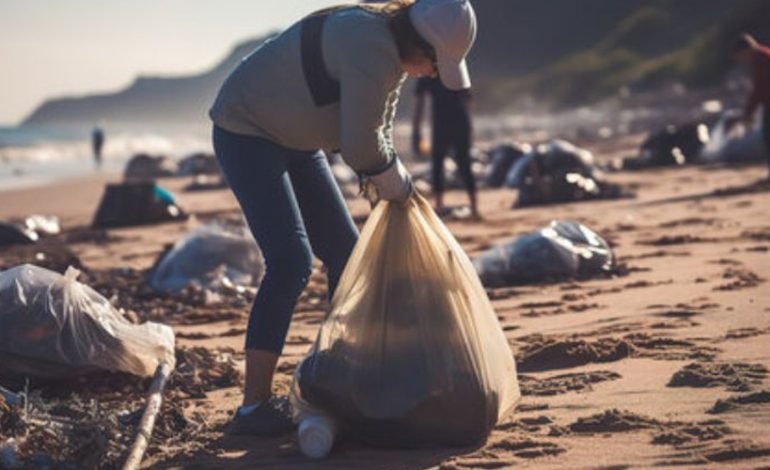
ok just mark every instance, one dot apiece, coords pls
pixel 32 156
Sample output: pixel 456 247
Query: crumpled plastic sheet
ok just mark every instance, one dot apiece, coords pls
pixel 210 257
pixel 52 326
pixel 564 249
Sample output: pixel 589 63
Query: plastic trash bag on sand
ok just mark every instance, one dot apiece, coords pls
pixel 556 157
pixel 148 167
pixel 559 172
pixel 52 326
pixel 564 249
pixel 501 159
pixel 673 145
pixel 210 257
pixel 411 354
pixel 739 144
pixel 28 230
pixel 136 203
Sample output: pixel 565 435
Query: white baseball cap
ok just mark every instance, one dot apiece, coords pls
pixel 450 27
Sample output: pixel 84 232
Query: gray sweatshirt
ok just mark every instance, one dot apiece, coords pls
pixel 267 96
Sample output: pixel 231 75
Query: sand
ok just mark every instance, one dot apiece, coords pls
pixel 665 365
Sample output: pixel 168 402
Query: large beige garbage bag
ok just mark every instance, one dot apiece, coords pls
pixel 412 353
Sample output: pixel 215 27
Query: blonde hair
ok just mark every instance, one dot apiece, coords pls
pixel 388 8
pixel 410 44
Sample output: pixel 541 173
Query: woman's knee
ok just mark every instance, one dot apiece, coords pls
pixel 291 267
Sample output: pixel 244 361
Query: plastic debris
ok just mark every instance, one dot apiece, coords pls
pixel 563 250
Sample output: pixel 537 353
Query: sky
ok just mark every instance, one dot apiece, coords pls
pixel 51 48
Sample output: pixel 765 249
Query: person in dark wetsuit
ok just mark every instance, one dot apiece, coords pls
pixel 747 50
pixel 451 131
pixel 97 142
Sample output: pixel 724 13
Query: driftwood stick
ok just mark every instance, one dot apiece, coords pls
pixel 154 400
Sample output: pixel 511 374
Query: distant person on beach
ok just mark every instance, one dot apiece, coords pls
pixel 452 131
pixel 330 81
pixel 748 51
pixel 97 142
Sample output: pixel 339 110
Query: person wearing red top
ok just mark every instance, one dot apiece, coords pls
pixel 747 50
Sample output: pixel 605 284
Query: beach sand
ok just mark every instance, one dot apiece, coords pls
pixel 615 372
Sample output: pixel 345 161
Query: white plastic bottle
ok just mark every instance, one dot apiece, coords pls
pixel 316 435
pixel 316 429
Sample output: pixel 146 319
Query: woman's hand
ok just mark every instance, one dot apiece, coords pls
pixel 395 183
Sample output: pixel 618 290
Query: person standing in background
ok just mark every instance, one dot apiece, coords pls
pixel 452 130
pixel 97 142
pixel 748 51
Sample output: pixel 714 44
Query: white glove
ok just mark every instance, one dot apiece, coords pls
pixel 393 184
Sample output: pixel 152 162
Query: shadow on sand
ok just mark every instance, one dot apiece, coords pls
pixel 760 186
pixel 249 452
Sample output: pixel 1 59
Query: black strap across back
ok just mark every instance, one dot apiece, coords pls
pixel 324 89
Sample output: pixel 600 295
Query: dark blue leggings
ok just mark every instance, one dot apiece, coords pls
pixel 295 209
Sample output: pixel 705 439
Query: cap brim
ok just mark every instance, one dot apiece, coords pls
pixel 454 75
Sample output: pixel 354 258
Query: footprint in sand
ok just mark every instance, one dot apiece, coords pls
pixel 739 278
pixel 564 383
pixel 688 221
pixel 298 340
pixel 502 293
pixel 676 319
pixel 547 353
pixel 738 377
pixel 689 433
pixel 762 234
pixel 740 333
pixel 747 402
pixel 527 448
pixel 668 240
pixel 656 254
pixel 668 432
pixel 726 262
pixel 572 352
pixel 287 367
pixel 728 453
pixel 642 284
pixel 506 453
pixel 612 421
pixel 678 314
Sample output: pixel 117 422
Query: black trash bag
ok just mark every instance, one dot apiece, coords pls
pixel 136 203
pixel 672 146
pixel 14 234
pixel 502 160
pixel 53 254
pixel 557 157
pixel 198 164
pixel 563 250
pixel 559 172
pixel 52 326
pixel 567 187
pixel 148 167
pixel 465 409
pixel 28 230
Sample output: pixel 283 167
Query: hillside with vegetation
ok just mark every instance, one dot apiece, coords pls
pixel 653 44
